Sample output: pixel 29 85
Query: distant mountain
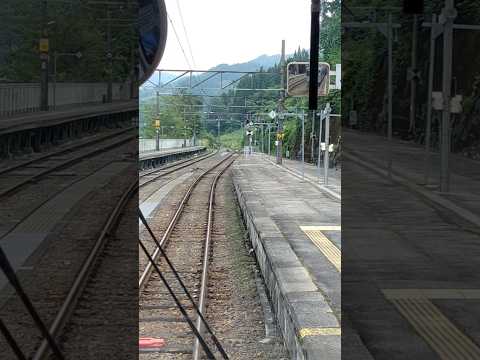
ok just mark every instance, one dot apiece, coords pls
pixel 264 61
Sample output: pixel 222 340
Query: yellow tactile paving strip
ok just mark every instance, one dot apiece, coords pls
pixel 434 327
pixel 330 331
pixel 326 247
pixel 321 228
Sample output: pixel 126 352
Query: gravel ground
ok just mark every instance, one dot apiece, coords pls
pixel 234 310
pixel 50 271
pixel 105 318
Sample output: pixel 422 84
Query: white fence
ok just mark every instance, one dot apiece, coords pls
pixel 148 145
pixel 25 97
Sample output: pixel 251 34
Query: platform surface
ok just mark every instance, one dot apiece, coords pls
pixel 298 227
pixel 166 152
pixel 34 120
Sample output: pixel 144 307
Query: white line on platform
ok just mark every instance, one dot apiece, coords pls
pixel 331 193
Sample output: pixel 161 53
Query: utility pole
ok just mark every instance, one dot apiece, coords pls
pixel 184 129
pixel 281 108
pixel 413 76
pixel 428 127
pixel 314 49
pixel 303 145
pixel 313 81
pixel 312 137
pixel 194 130
pixel 157 124
pixel 263 138
pixel 109 58
pixel 218 131
pixel 326 156
pixel 269 140
pixel 390 94
pixel 44 50
pixel 447 17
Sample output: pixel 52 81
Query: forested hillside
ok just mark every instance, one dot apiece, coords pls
pixel 365 71
pixel 71 26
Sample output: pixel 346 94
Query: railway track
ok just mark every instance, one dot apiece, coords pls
pixel 92 284
pixel 148 177
pixel 18 176
pixel 95 275
pixel 190 230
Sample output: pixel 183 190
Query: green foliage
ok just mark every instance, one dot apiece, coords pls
pixel 364 65
pixel 176 116
pixel 232 140
pixel 71 27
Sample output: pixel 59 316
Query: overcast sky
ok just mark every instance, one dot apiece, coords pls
pixel 234 31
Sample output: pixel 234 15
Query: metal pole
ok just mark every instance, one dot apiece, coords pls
pixel 413 80
pixel 263 138
pixel 269 139
pixel 448 16
pixel 194 130
pixel 161 141
pixel 281 107
pixel 184 130
pixel 428 129
pixel 44 61
pixel 390 94
pixel 320 143
pixel 157 140
pixel 110 59
pixel 55 80
pixel 312 135
pixel 314 49
pixel 303 146
pixel 326 157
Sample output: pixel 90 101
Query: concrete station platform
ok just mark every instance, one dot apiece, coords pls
pixel 295 230
pixel 41 119
pixel 153 159
pixel 31 132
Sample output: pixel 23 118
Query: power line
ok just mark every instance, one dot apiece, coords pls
pixel 186 34
pixel 179 42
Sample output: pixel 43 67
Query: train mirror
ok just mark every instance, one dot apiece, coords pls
pixel 152 36
pixel 298 79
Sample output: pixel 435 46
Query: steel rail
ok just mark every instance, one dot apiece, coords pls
pixel 65 163
pixel 206 260
pixel 183 164
pixel 63 151
pixel 176 163
pixel 173 221
pixel 80 281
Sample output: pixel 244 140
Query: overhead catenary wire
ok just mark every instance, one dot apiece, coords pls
pixel 186 34
pixel 179 42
